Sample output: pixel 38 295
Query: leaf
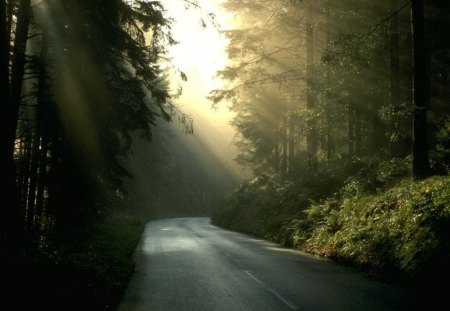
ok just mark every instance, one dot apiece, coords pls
pixel 183 76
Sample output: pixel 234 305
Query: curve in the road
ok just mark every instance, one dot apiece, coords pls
pixel 189 264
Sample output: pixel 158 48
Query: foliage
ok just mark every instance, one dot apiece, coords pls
pixel 92 80
pixel 402 230
pixel 264 205
pixel 441 155
pixel 88 270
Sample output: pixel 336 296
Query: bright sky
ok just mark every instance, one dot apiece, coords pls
pixel 201 51
pixel 199 54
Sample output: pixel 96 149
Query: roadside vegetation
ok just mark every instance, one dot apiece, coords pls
pixel 87 269
pixel 379 220
pixel 350 161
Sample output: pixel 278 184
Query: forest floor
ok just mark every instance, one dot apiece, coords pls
pixel 88 270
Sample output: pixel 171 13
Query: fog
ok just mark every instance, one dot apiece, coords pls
pixel 179 173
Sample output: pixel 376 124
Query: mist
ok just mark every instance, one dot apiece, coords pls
pixel 157 128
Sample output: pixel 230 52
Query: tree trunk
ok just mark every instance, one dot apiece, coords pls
pixel 9 114
pixel 9 12
pixel 4 62
pixel 329 125
pixel 420 162
pixel 9 213
pixel 31 205
pixel 394 70
pixel 42 180
pixel 311 139
pixel 18 66
pixel 41 156
pixel 24 174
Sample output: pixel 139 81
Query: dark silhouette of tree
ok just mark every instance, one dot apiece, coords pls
pixel 420 162
pixel 81 78
pixel 8 185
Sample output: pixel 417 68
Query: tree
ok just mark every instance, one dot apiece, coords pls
pixel 8 186
pixel 420 162
pixel 312 137
pixel 84 79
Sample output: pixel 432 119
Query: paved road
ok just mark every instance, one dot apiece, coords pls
pixel 189 264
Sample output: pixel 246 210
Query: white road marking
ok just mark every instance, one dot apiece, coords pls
pixel 283 299
pixel 253 277
pixel 277 294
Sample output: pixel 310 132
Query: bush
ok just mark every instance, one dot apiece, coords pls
pixel 404 229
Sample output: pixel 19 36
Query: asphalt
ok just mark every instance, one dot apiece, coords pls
pixel 189 264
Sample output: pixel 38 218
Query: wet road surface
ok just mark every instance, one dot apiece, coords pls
pixel 189 264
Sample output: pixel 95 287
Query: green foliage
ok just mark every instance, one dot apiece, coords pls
pixel 393 170
pixel 266 204
pixel 402 230
pixel 440 157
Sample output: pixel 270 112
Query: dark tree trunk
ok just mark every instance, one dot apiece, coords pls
pixel 24 173
pixel 8 192
pixel 420 162
pixel 18 66
pixel 311 139
pixel 9 114
pixel 4 78
pixel 31 205
pixel 9 12
pixel 41 156
pixel 41 181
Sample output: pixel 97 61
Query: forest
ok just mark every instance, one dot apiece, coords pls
pixel 341 112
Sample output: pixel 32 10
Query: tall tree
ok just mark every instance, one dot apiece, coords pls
pixel 394 63
pixel 420 160
pixel 7 171
pixel 18 65
pixel 312 136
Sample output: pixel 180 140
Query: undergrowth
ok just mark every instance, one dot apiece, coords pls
pixel 86 269
pixel 377 219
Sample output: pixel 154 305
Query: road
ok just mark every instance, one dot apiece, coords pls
pixel 189 264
